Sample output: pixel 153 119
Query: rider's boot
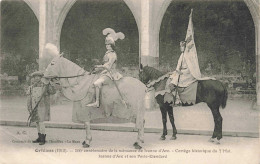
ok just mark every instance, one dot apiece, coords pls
pixel 42 139
pixel 38 139
pixel 96 103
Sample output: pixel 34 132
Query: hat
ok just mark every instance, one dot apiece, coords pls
pixel 37 73
pixel 112 36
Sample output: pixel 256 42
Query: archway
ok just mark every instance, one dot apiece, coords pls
pixel 226 38
pixel 254 10
pixel 19 39
pixel 86 43
pixel 224 35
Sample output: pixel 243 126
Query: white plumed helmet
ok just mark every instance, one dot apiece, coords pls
pixel 112 36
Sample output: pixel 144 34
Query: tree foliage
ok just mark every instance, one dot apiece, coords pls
pixel 19 37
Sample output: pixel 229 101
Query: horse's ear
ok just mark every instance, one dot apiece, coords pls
pixel 141 67
pixel 61 55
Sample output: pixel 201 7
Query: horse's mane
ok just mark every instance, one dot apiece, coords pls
pixel 70 67
pixel 152 72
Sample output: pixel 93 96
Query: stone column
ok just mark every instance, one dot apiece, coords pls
pixel 156 11
pixel 144 31
pixel 47 30
pixel 257 44
pixel 42 32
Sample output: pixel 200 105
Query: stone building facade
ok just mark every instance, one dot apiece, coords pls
pixel 148 15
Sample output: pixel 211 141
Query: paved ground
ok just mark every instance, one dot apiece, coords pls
pixel 238 116
pixel 16 147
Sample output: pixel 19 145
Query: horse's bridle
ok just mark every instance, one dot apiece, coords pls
pixel 60 77
pixel 63 77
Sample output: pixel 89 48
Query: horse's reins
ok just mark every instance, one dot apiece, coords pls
pixel 158 79
pixel 154 81
pixel 63 77
pixel 35 107
pixel 37 104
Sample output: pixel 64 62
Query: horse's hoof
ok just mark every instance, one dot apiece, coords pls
pixel 137 146
pixel 173 138
pixel 86 145
pixel 217 142
pixel 163 137
pixel 212 139
pixel 95 105
pixel 83 143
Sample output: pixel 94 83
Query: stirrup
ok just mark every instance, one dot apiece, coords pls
pixel 95 104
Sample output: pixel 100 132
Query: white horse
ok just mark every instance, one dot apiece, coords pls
pixel 77 85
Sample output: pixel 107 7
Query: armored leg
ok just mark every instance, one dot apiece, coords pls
pixel 96 103
pixel 98 84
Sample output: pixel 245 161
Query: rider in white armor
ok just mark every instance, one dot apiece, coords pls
pixel 109 67
pixel 182 73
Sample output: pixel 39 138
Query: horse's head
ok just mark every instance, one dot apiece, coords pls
pixel 143 74
pixel 51 72
pixel 148 73
pixel 60 66
pixel 53 69
pixel 50 58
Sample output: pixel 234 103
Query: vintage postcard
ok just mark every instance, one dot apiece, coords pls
pixel 129 81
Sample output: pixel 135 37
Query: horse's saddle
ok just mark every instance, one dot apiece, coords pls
pixel 111 104
pixel 111 101
pixel 186 96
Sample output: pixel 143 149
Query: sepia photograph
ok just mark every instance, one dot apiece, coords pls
pixel 129 81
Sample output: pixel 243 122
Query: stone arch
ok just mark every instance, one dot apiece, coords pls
pixel 34 7
pixel 64 11
pixel 160 15
pixel 95 17
pixel 253 6
pixel 19 38
pixel 254 10
pixel 68 5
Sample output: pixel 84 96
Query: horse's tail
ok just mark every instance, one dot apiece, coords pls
pixel 225 97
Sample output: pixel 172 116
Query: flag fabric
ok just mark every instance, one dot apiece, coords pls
pixel 188 59
pixel 190 53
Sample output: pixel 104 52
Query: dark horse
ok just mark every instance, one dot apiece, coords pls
pixel 212 92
